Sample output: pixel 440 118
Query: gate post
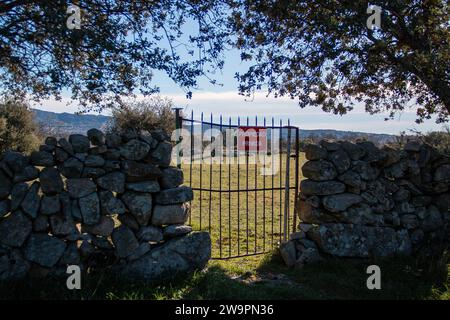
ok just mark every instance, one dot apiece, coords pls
pixel 178 125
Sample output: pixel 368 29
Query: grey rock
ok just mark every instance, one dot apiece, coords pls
pixel 90 209
pixel 140 205
pixel 15 229
pixel 71 168
pixel 353 150
pixel 340 202
pixel 124 241
pixel 62 225
pixel 144 186
pixel 86 249
pixel 103 228
pixel 443 202
pixel 149 234
pixel 29 173
pixel 16 161
pixel 13 268
pixel 402 195
pixel 96 137
pixel 161 155
pixel 309 214
pixel 31 202
pixel 44 249
pixel 71 255
pixel 442 174
pixel 129 221
pixel 98 150
pixel 80 143
pixel 41 158
pixel 319 170
pixel 18 192
pixel 93 173
pixel 94 161
pixel 323 188
pixel 113 140
pixel 51 181
pixel 66 146
pixel 176 230
pixel 288 253
pixel 308 256
pixel 315 152
pixel 175 195
pixel 433 220
pixel 352 179
pixel 422 201
pixel 341 160
pixel 177 256
pixel 409 221
pixel 329 145
pixel 5 185
pixel 112 154
pixel 397 170
pixel 50 205
pixel 5 207
pixel 51 141
pixel 143 248
pixel 170 214
pixel 372 153
pixel 61 155
pixel 102 243
pixel 114 181
pixel 47 148
pixel 365 170
pixel 80 187
pixel 109 204
pixel 41 224
pixel 172 177
pixel 348 240
pixel 136 172
pixel 134 150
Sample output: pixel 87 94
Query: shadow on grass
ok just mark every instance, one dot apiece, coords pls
pixel 334 279
pixel 401 278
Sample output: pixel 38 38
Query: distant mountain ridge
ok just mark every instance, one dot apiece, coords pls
pixel 69 123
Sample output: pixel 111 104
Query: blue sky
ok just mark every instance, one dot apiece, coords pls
pixel 224 99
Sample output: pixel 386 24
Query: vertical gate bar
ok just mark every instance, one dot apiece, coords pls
pixel 210 174
pixel 286 185
pixel 272 131
pixel 256 185
pixel 220 187
pixel 239 188
pixel 264 190
pixel 297 166
pixel 192 157
pixel 281 179
pixel 201 168
pixel 229 183
pixel 246 190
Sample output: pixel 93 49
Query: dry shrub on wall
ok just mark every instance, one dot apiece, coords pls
pixel 18 131
pixel 153 113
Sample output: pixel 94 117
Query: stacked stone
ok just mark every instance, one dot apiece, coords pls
pixel 112 196
pixel 359 201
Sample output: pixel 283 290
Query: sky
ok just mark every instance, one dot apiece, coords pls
pixel 224 100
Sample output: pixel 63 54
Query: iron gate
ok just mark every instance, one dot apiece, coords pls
pixel 246 210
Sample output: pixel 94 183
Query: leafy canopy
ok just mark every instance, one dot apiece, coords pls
pixel 322 53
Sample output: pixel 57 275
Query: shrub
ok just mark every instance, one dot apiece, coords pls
pixel 153 113
pixel 17 127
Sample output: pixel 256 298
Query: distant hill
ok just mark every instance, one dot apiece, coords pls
pixel 69 123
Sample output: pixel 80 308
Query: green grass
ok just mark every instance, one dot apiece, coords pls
pixel 261 277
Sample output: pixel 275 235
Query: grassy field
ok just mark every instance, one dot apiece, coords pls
pixel 241 222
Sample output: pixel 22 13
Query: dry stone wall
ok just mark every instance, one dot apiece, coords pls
pixel 97 201
pixel 359 201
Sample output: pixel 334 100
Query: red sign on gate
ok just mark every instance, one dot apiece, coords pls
pixel 252 139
